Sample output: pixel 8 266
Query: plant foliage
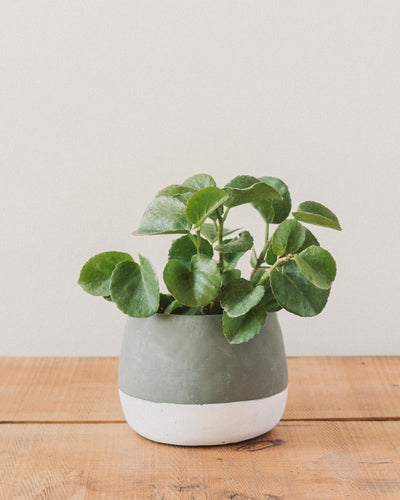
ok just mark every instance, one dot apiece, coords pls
pixel 292 271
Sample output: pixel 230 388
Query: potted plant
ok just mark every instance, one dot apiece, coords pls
pixel 205 363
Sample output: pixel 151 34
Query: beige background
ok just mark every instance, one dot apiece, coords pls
pixel 103 103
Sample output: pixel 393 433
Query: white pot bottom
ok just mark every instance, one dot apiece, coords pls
pixel 203 425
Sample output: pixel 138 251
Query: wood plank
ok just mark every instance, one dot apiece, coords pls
pixel 85 389
pixel 301 460
pixel 59 389
pixel 344 387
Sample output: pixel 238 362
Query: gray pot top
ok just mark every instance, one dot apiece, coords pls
pixel 187 360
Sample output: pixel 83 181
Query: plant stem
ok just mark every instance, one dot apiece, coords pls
pixel 225 214
pixel 263 253
pixel 220 241
pixel 266 275
pixel 198 241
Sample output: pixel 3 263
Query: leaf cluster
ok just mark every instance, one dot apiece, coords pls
pixel 292 271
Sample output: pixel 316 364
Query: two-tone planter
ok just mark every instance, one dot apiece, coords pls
pixel 181 382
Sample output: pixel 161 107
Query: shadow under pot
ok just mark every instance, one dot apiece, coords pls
pixel 182 383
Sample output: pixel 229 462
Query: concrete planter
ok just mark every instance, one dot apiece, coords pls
pixel 181 382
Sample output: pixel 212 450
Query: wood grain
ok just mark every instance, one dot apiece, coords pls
pixel 59 389
pixel 85 389
pixel 296 460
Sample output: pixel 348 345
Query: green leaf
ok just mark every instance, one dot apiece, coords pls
pixel 203 203
pixel 288 237
pixel 183 249
pixel 266 209
pixel 295 293
pixel 227 276
pixel 315 213
pixel 231 259
pixel 172 307
pixel 270 258
pixel 317 265
pixel 134 288
pixel 164 302
pixel 281 207
pixel 199 181
pixel 239 296
pixel 244 328
pixel 247 189
pixel 209 232
pixel 309 240
pixel 242 243
pixel 174 190
pixel 164 215
pixel 96 273
pixel 197 285
pixel 270 303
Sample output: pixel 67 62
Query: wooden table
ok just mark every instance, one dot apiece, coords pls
pixel 63 435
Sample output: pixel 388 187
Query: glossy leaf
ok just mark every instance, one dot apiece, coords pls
pixel 231 259
pixel 209 232
pixel 199 181
pixel 134 288
pixel 295 293
pixel 269 300
pixel 315 213
pixel 164 215
pixel 203 203
pixel 227 276
pixel 266 209
pixel 183 249
pixel 239 296
pixel 281 207
pixel 248 189
pixel 270 258
pixel 243 328
pixel 309 240
pixel 242 243
pixel 317 265
pixel 175 190
pixel 288 237
pixel 95 275
pixel 194 285
pixel 164 302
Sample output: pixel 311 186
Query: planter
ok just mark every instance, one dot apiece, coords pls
pixel 181 382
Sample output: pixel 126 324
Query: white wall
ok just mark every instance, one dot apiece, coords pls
pixel 102 103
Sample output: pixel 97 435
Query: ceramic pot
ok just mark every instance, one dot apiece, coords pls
pixel 181 382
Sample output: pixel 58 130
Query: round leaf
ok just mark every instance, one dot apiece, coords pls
pixel 174 190
pixel 241 243
pixel 239 296
pixel 266 209
pixel 247 189
pixel 317 265
pixel 295 293
pixel 315 213
pixel 227 276
pixel 244 328
pixel 288 237
pixel 208 231
pixel 183 249
pixel 309 240
pixel 134 288
pixel 95 274
pixel 199 181
pixel 197 285
pixel 283 206
pixel 164 215
pixel 203 203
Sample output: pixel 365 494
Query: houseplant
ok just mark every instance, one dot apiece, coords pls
pixel 205 363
